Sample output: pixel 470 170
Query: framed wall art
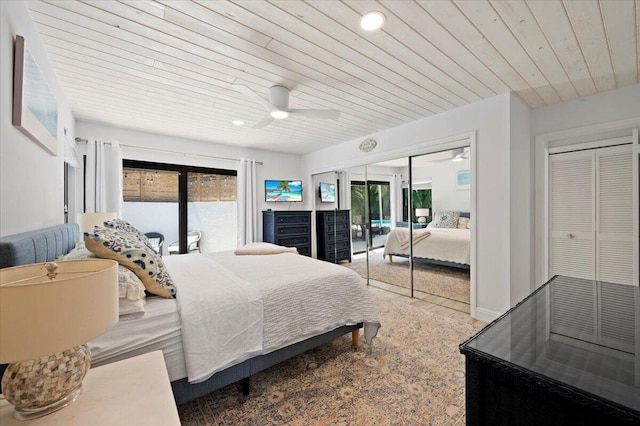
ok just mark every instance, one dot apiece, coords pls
pixel 463 180
pixel 35 108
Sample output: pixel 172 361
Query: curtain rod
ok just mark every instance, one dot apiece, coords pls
pixel 173 152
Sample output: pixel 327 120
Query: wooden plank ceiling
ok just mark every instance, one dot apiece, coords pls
pixel 168 66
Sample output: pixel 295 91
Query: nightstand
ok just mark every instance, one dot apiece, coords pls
pixel 135 391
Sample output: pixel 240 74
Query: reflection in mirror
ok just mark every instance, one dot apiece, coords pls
pixel 333 236
pixel 440 248
pixel 409 224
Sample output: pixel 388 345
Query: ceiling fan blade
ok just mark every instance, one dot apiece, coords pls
pixel 268 119
pixel 253 96
pixel 329 114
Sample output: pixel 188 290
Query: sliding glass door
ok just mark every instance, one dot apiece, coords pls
pixel 188 209
pixel 370 210
pixel 211 212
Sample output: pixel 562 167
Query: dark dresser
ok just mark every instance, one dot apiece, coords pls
pixel 288 228
pixel 568 354
pixel 333 235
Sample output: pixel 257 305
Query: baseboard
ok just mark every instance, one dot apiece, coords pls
pixel 485 315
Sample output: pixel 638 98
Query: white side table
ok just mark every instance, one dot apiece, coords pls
pixel 135 391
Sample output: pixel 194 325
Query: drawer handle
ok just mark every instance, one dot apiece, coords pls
pixel 570 235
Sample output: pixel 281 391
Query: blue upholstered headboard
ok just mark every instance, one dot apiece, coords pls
pixel 41 245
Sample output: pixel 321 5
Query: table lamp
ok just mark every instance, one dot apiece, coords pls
pixel 422 215
pixel 86 221
pixel 48 311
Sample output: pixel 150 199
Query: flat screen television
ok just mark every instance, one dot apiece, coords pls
pixel 327 192
pixel 283 190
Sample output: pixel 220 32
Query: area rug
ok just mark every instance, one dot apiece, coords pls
pixel 443 281
pixel 413 374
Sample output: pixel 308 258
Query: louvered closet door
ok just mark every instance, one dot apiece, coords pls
pixel 614 249
pixel 572 214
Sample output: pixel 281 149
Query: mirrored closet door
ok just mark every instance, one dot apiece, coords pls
pixel 408 224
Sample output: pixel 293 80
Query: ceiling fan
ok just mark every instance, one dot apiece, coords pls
pixel 278 105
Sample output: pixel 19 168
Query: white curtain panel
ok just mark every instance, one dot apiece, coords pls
pixel 395 193
pixel 71 156
pixel 247 202
pixel 103 183
pixel 345 190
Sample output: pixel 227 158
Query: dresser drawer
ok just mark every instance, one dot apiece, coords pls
pixel 337 236
pixel 293 241
pixel 292 229
pixel 339 217
pixel 337 227
pixel 339 255
pixel 292 219
pixel 338 245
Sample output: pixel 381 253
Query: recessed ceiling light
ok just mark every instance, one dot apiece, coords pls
pixel 238 123
pixel 278 114
pixel 372 21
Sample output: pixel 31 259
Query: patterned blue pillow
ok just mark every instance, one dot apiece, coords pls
pixel 129 251
pixel 445 219
pixel 124 226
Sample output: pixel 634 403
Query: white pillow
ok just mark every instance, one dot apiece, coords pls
pixel 463 223
pixel 264 248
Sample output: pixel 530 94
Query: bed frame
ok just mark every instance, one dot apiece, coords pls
pixel 47 244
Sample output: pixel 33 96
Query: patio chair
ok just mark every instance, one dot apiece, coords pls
pixel 156 239
pixel 193 243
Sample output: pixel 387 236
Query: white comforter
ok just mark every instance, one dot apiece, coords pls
pixel 451 245
pixel 235 307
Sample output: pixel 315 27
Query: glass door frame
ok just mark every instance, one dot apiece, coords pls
pixel 183 171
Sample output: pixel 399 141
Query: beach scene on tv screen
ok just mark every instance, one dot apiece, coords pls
pixel 283 190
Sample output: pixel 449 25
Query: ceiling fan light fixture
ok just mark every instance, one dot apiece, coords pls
pixel 458 158
pixel 279 114
pixel 372 21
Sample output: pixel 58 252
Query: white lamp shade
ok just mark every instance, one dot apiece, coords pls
pixel 422 212
pixel 41 316
pixel 86 221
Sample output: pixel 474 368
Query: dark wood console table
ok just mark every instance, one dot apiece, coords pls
pixel 569 354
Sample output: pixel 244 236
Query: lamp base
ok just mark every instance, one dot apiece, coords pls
pixel 34 413
pixel 40 386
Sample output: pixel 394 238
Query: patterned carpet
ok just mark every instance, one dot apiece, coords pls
pixel 413 374
pixel 452 283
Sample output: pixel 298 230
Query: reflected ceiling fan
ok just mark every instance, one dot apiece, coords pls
pixel 278 105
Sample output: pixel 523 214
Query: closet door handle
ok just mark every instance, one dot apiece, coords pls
pixel 570 235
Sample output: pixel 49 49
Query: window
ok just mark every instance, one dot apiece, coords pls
pixel 179 202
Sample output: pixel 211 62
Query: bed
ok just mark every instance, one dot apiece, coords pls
pixel 442 246
pixel 282 317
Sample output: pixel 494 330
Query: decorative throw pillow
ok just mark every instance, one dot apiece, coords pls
pixel 124 226
pixel 445 219
pixel 129 251
pixel 463 223
pixel 130 288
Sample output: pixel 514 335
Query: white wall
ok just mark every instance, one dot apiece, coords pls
pixel 31 179
pixel 146 146
pixel 520 201
pixel 444 192
pixel 489 119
